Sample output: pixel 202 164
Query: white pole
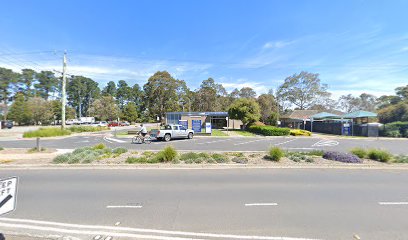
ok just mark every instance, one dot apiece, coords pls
pixel 64 82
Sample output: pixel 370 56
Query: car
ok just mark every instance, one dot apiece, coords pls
pixel 125 123
pixel 6 124
pixel 171 131
pixel 115 124
pixel 100 124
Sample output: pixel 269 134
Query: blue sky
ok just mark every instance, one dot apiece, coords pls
pixel 356 46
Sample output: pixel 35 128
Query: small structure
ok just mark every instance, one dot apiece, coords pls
pixel 363 123
pixel 297 118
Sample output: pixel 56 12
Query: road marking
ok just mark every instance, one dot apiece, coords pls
pixel 249 142
pixel 325 143
pixel 108 238
pixel 100 230
pixel 393 203
pixel 85 141
pixel 97 237
pixel 213 141
pixel 114 139
pixel 260 204
pixel 104 138
pixel 124 206
pixel 277 144
pixel 117 223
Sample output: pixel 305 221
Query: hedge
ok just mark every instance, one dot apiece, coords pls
pixel 269 130
pixel 395 129
pixel 300 132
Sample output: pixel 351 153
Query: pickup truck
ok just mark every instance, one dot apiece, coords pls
pixel 171 131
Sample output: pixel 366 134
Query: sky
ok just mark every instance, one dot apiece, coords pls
pixel 356 46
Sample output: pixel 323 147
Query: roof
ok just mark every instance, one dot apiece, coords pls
pixel 324 115
pixel 218 114
pixel 300 114
pixel 359 114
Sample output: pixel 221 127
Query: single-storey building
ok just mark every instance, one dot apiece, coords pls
pixel 199 120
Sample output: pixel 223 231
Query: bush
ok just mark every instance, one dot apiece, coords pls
pixel 189 156
pixel 275 154
pixel 300 132
pixel 315 153
pixel 46 132
pixel 219 158
pixel 401 159
pixel 299 156
pixel 379 155
pixel 269 130
pixel 204 155
pixel 342 157
pixel 240 160
pixel 84 155
pixel 168 154
pixel 395 129
pixel 141 159
pixel 61 158
pixel 359 152
pixel 99 146
pixel 119 150
pixel 1 148
pixel 79 129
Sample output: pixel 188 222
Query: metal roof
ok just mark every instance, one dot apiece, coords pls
pixel 300 114
pixel 324 115
pixel 219 114
pixel 359 114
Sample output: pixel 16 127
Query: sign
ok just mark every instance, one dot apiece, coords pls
pixel 8 195
pixel 183 123
pixel 208 127
pixel 196 125
pixel 158 118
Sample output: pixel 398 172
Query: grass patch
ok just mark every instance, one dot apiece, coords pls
pixel 218 133
pixel 244 133
pixel 80 129
pixel 168 154
pixel 275 154
pixel 119 150
pixel 379 155
pixel 1 148
pixel 189 156
pixel 300 156
pixel 34 150
pixel 236 154
pixel 359 152
pixel 219 158
pixel 99 146
pixel 142 159
pixel 318 153
pixel 46 132
pixel 401 159
pixel 85 155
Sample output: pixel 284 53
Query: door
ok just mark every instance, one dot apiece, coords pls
pixel 176 132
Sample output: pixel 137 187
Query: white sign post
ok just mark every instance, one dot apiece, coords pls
pixel 8 195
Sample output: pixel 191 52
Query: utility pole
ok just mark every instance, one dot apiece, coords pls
pixel 64 83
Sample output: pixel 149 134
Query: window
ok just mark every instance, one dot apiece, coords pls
pixel 182 128
pixel 175 128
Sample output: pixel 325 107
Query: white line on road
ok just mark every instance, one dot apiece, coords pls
pixel 249 142
pixel 325 143
pixel 114 139
pixel 285 142
pixel 260 204
pixel 393 203
pixel 213 141
pixel 104 138
pixel 127 229
pixel 124 206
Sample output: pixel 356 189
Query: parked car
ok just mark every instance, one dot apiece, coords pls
pixel 87 120
pixel 72 122
pixel 115 124
pixel 100 124
pixel 171 131
pixel 6 124
pixel 125 123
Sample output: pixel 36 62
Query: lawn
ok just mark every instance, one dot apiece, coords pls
pixel 218 133
pixel 244 133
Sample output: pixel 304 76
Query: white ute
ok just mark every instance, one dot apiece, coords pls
pixel 171 131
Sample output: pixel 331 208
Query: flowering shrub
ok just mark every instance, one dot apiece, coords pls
pixel 300 132
pixel 342 157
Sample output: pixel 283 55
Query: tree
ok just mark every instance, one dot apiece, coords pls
pixel 386 101
pixel 267 105
pixel 8 81
pixel 81 92
pixel 123 94
pixel 394 113
pixel 56 108
pixel 402 92
pixel 47 84
pixel 247 92
pixel 210 97
pixel 110 89
pixel 41 110
pixel 27 79
pixel 349 103
pixel 105 108
pixel 162 94
pixel 129 112
pixel 303 90
pixel 136 96
pixel 19 111
pixel 245 109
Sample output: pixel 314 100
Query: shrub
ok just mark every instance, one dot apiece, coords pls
pixel 79 129
pixel 99 146
pixel 1 148
pixel 379 155
pixel 219 158
pixel 61 158
pixel 300 132
pixel 189 155
pixel 299 156
pixel 401 159
pixel 315 153
pixel 83 155
pixel 204 155
pixel 34 149
pixel 46 132
pixel 240 160
pixel 141 159
pixel 236 154
pixel 342 157
pixel 395 129
pixel 275 154
pixel 269 130
pixel 168 154
pixel 359 152
pixel 148 154
pixel 119 150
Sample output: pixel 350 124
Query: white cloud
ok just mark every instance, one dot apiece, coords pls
pixel 277 44
pixel 241 83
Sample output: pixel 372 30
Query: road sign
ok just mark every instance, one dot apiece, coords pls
pixel 8 195
pixel 208 128
pixel 196 125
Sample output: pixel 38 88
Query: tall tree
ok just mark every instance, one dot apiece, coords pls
pixel 19 110
pixel 129 112
pixel 47 84
pixel 56 108
pixel 210 96
pixel 105 108
pixel 27 79
pixel 303 90
pixel 81 92
pixel 123 94
pixel 247 92
pixel 245 109
pixel 110 89
pixel 267 105
pixel 349 103
pixel 162 94
pixel 402 92
pixel 137 96
pixel 8 81
pixel 41 110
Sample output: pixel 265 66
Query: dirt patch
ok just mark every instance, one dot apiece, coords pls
pixel 23 156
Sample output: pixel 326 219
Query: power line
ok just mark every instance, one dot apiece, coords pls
pixel 28 53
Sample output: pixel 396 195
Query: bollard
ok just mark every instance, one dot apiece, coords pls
pixel 356 237
pixel 38 145
pixel 114 133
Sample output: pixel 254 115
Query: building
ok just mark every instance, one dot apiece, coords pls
pixel 198 120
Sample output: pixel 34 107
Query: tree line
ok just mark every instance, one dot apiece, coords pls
pixel 31 97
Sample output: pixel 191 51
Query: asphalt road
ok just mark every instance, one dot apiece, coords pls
pixel 208 204
pixel 396 146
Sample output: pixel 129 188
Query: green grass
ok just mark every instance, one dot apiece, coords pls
pixel 46 132
pixel 315 153
pixel 379 155
pixel 244 133
pixel 79 129
pixel 142 159
pixel 359 152
pixel 300 156
pixel 401 159
pixel 1 148
pixel 218 133
pixel 34 149
pixel 275 154
pixel 219 158
pixel 189 156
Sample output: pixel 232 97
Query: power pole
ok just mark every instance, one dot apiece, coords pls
pixel 64 82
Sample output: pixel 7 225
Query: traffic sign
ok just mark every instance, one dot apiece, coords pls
pixel 8 195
